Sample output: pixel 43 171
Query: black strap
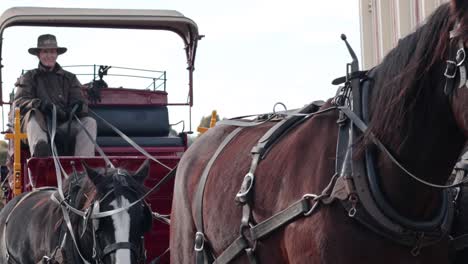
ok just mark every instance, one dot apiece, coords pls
pixel 455 64
pixel 450 72
pixel 119 245
pixel 263 229
pixel 232 251
pixel 198 201
pixel 276 221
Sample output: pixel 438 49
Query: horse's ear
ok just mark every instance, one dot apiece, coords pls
pixel 93 174
pixel 142 172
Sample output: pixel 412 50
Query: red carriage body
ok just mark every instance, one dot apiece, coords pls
pixel 140 114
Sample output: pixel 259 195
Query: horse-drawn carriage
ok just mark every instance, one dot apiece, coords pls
pixel 142 115
pixel 360 178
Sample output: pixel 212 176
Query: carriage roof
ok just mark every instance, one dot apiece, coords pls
pixel 169 20
pixel 113 18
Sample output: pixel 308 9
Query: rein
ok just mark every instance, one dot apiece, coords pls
pixel 363 128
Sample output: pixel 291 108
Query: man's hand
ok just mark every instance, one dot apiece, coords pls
pixel 45 107
pixel 78 105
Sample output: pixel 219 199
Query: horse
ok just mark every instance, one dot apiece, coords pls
pixel 35 227
pixel 415 111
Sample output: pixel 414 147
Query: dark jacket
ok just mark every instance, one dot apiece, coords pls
pixel 58 86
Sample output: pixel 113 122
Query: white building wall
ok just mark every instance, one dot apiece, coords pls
pixel 383 22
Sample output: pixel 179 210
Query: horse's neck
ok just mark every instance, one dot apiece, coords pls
pixel 409 197
pixel 85 242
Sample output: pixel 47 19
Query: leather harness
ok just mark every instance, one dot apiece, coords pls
pixel 250 231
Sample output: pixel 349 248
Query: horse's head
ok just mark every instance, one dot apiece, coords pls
pixel 460 96
pixel 119 217
pixel 416 107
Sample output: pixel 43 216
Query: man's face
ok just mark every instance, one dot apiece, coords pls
pixel 48 57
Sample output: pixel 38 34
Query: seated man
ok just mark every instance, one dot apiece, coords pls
pixel 39 89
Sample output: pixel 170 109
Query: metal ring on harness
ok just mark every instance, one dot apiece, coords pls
pixel 246 233
pixel 247 186
pixel 279 103
pixel 315 199
pixel 451 69
pixel 461 55
pixel 199 241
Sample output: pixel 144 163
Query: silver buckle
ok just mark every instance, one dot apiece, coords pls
pixel 460 56
pixel 249 179
pixel 446 73
pixel 199 241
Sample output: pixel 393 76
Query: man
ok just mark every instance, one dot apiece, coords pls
pixel 39 89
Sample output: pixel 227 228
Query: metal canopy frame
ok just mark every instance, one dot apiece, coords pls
pixel 168 20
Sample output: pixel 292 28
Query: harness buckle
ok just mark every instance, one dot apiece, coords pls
pixel 460 56
pixel 48 260
pixel 247 184
pixel 199 241
pixel 451 69
pixel 246 233
pixel 315 200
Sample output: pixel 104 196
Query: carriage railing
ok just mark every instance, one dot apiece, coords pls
pixel 154 80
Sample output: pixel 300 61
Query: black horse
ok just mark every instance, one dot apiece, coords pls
pixel 33 226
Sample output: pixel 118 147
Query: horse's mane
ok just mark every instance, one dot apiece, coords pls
pixel 405 95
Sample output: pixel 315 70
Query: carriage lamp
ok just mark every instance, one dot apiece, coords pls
pixel 17 136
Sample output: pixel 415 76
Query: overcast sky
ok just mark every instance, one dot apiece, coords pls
pixel 255 52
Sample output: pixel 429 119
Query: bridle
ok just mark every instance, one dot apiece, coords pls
pixel 455 63
pixel 101 252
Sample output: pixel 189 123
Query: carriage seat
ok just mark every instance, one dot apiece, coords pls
pixel 147 125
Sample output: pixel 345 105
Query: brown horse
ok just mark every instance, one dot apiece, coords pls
pixel 424 127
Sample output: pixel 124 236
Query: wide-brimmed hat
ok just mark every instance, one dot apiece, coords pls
pixel 47 41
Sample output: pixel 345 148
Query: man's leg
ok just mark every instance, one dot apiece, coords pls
pixel 37 139
pixel 84 146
